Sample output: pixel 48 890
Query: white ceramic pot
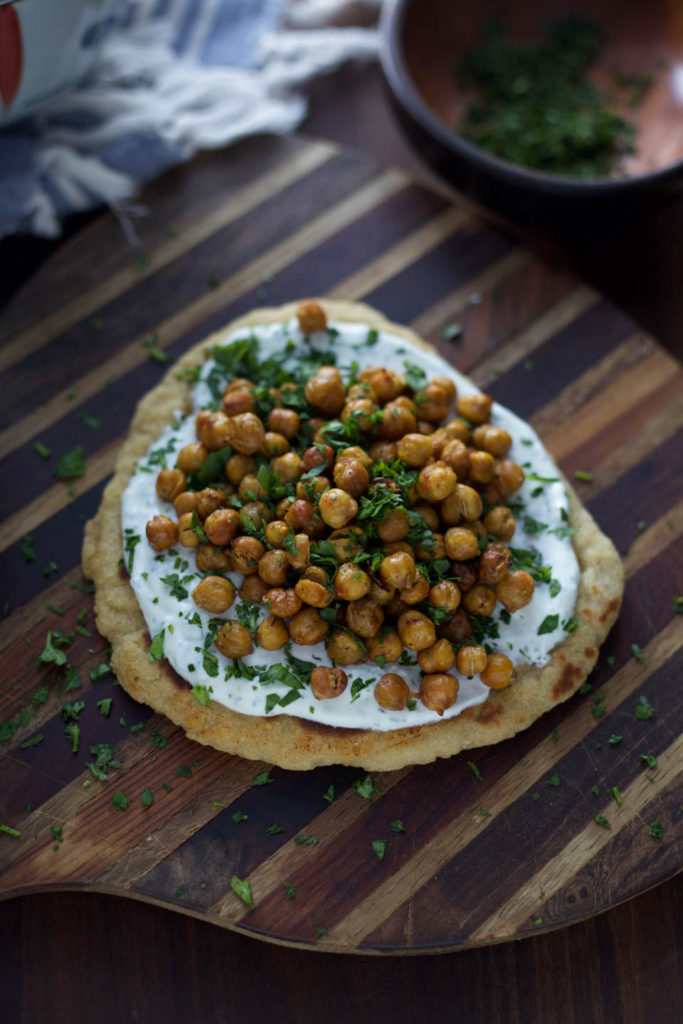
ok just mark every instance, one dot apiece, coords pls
pixel 46 46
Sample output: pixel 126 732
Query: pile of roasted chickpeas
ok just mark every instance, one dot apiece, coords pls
pixel 376 597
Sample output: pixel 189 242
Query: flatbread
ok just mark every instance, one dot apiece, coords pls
pixel 296 743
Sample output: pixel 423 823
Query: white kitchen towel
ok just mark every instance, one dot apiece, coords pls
pixel 172 77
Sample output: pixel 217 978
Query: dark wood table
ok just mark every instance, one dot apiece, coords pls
pixel 108 959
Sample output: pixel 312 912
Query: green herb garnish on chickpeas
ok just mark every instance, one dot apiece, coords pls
pixel 373 513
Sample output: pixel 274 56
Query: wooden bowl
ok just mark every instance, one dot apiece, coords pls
pixel 422 39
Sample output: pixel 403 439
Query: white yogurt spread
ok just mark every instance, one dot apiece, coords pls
pixel 527 638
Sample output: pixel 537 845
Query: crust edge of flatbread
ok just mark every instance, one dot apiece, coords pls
pixel 295 743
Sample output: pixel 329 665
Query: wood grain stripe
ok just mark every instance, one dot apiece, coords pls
pixel 174 327
pixel 442 312
pixel 625 395
pixel 458 834
pixel 302 163
pixel 400 256
pixel 580 849
pixel 522 344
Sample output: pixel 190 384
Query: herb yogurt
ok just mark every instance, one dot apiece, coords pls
pixel 276 682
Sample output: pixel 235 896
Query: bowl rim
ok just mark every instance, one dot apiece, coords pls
pixel 395 70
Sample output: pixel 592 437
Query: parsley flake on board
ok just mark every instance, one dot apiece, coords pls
pixel 71 464
pixel 365 787
pixel 380 847
pixel 242 889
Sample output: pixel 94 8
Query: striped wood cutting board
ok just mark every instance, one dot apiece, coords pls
pixel 495 847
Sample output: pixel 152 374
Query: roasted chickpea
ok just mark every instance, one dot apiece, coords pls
pixel 463 503
pixel 344 648
pixel 458 628
pixel 351 476
pixel 245 554
pixel 191 457
pixel 464 574
pixel 415 449
pixel 476 408
pixel 392 692
pixel 386 384
pixel 317 574
pixel 214 593
pixel 302 518
pixel 480 600
pixel 272 634
pixel 282 602
pixel 460 543
pixel 389 647
pixel 492 439
pixel 238 400
pixel 429 514
pixel 423 427
pixel 317 455
pixel 416 630
pixel 351 583
pixel 312 488
pixel 162 533
pixel 314 593
pixel 431 548
pixel 311 316
pixel 397 420
pixel 327 682
pixel 253 589
pixel 498 672
pixel 222 525
pixel 273 567
pixel 285 422
pixel 364 617
pixel 238 382
pixel 432 403
pixel 337 508
pixel 287 467
pixel 494 563
pixel 380 592
pixel 211 559
pixel 274 444
pixel 445 595
pixel 308 627
pixel 213 430
pixel 417 591
pixel 500 523
pixel 439 691
pixel 185 502
pixel 170 483
pixel 362 410
pixel 276 532
pixel 382 451
pixel 482 467
pixel 247 433
pixel 515 590
pixel 436 481
pixel 237 467
pixel 300 556
pixel 394 526
pixel 471 660
pixel 508 476
pixel 234 640
pixel 355 452
pixel 398 570
pixel 438 658
pixel 446 385
pixel 455 454
pixel 208 500
pixel 186 535
pixel 325 390
pixel 347 542
pixel 257 512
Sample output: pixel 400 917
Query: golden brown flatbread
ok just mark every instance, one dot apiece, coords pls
pixel 295 743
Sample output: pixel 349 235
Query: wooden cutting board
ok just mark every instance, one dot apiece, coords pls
pixel 569 818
